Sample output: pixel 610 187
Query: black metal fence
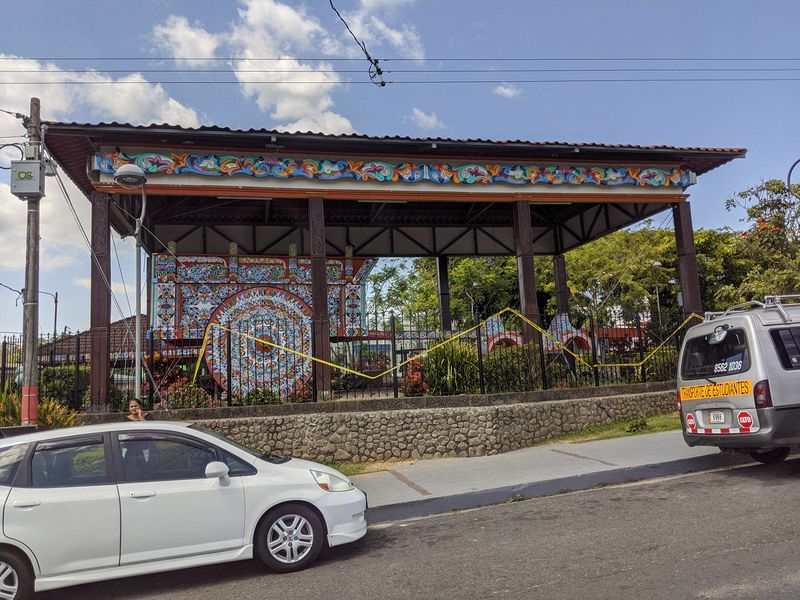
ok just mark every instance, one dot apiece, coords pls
pixel 268 362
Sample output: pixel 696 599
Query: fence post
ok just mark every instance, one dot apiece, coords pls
pixel 393 330
pixel 543 364
pixel 641 348
pixel 4 365
pixel 229 346
pixel 150 349
pixel 480 358
pixel 314 393
pixel 76 392
pixel 594 351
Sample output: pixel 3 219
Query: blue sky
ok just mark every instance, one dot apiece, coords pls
pixel 761 116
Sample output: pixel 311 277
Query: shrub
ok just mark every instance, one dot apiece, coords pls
pixel 10 407
pixel 52 413
pixel 260 396
pixel 452 369
pixel 302 393
pixel 414 383
pixel 514 369
pixel 60 382
pixel 117 399
pixel 183 394
pixel 638 424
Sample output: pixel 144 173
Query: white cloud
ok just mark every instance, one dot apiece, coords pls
pixel 270 29
pixel 63 251
pixel 296 93
pixel 369 23
pixel 184 40
pixel 507 91
pixel 116 286
pixel 329 122
pixel 424 120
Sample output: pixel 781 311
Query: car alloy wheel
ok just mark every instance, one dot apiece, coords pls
pixel 9 582
pixel 290 539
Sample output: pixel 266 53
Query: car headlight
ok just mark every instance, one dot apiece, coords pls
pixel 331 483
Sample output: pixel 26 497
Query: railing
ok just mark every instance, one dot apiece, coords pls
pixel 269 362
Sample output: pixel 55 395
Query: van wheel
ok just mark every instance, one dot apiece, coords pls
pixel 16 580
pixel 771 457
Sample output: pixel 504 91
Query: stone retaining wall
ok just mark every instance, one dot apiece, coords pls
pixel 434 432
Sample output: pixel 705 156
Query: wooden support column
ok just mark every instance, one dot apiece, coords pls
pixel 100 318
pixel 523 242
pixel 442 266
pixel 319 295
pixel 562 291
pixel 687 258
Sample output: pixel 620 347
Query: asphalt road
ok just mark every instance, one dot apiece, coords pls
pixel 727 534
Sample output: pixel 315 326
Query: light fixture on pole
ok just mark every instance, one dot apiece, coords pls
pixel 658 301
pixel 55 311
pixel 132 176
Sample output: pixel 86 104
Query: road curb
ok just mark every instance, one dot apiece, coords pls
pixel 443 504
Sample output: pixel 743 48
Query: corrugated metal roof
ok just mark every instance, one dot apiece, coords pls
pixel 389 138
pixel 72 143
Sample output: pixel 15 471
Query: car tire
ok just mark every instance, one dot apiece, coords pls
pixel 289 538
pixel 771 457
pixel 15 573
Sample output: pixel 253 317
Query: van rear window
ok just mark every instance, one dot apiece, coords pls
pixel 701 359
pixel 787 343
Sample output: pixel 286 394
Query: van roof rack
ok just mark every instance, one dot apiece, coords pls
pixel 775 302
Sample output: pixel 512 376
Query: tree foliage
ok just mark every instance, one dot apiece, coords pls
pixel 634 271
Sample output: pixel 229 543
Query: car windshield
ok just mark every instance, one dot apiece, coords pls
pixel 702 359
pixel 214 434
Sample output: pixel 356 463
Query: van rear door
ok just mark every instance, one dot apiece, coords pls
pixel 716 393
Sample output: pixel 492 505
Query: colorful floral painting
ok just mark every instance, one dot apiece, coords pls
pixel 212 165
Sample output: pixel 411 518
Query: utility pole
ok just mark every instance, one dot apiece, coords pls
pixel 30 335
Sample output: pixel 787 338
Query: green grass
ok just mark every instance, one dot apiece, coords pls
pixel 347 468
pixel 619 429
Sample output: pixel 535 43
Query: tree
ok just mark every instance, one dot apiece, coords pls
pixel 769 246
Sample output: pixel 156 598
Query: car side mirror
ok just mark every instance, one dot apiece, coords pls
pixel 217 470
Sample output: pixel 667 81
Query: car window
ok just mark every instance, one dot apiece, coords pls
pixel 236 466
pixel 787 343
pixel 72 462
pixel 702 359
pixel 159 457
pixel 10 458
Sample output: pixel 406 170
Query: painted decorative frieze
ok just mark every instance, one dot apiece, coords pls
pixel 212 165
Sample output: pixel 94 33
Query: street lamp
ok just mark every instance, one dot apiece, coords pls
pixel 132 176
pixel 55 311
pixel 658 301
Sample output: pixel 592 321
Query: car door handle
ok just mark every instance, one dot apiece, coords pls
pixel 143 494
pixel 26 503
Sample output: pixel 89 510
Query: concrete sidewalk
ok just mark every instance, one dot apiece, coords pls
pixel 436 486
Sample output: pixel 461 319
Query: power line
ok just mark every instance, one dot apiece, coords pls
pixel 420 81
pixel 375 72
pixel 436 71
pixel 401 59
pixel 11 289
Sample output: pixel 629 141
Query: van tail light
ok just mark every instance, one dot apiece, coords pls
pixel 762 395
pixel 678 400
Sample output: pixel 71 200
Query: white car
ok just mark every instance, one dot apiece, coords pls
pixel 104 501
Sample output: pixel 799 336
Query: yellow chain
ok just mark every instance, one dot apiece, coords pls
pixel 538 328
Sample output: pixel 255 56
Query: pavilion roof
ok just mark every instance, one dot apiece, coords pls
pixel 71 144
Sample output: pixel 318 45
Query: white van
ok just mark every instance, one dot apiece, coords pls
pixel 739 379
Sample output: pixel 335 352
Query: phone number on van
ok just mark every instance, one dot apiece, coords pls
pixel 743 387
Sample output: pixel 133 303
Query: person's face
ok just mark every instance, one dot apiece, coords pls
pixel 134 407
